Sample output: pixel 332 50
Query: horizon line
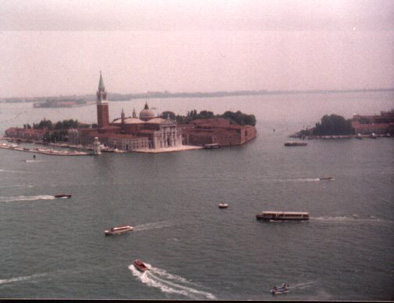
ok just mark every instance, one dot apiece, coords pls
pixel 239 92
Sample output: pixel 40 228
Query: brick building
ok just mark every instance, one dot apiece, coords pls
pixel 378 124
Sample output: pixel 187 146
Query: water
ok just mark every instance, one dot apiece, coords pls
pixel 56 248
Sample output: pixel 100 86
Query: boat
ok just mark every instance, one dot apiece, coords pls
pixel 62 196
pixel 284 289
pixel 211 145
pixel 140 265
pixel 282 216
pixel 118 230
pixel 296 143
pixel 223 205
pixel 326 178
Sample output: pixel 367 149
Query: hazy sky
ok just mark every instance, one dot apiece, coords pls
pixel 58 47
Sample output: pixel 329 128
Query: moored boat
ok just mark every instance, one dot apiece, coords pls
pixel 140 265
pixel 282 216
pixel 223 205
pixel 118 230
pixel 211 145
pixel 284 289
pixel 62 196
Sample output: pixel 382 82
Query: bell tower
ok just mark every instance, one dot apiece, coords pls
pixel 102 105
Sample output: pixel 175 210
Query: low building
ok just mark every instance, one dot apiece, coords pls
pixel 216 131
pixel 25 134
pixel 378 124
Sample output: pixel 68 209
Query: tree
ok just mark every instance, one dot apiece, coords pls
pixel 168 114
pixel 333 125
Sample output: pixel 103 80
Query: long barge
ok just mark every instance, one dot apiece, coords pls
pixel 282 216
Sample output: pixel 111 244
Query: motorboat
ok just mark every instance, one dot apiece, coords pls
pixel 223 205
pixel 118 230
pixel 296 143
pixel 326 178
pixel 284 289
pixel 62 196
pixel 282 216
pixel 140 265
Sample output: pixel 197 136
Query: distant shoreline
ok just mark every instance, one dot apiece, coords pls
pixel 165 94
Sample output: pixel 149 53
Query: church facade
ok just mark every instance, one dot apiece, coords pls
pixel 147 131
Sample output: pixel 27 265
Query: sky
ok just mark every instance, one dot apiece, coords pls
pixel 59 47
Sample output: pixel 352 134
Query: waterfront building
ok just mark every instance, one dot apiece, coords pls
pixel 128 133
pixel 378 124
pixel 216 131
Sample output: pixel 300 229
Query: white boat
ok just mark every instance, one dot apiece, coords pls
pixel 223 205
pixel 118 230
pixel 282 216
pixel 284 289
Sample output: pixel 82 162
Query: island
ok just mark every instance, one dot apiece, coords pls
pixel 147 132
pixel 360 126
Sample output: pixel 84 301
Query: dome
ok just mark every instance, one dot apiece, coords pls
pixel 146 113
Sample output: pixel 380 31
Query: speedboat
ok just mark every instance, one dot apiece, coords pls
pixel 62 196
pixel 140 265
pixel 118 230
pixel 326 178
pixel 284 289
pixel 223 205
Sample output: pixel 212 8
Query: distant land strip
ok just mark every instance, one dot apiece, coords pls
pixel 166 94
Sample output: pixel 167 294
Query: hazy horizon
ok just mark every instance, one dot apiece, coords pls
pixel 52 48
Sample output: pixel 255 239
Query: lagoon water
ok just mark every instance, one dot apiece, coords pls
pixel 56 248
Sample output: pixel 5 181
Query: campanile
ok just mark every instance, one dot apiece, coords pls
pixel 102 105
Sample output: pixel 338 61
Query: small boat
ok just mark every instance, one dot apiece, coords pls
pixel 282 216
pixel 140 265
pixel 326 178
pixel 211 146
pixel 223 205
pixel 118 230
pixel 296 143
pixel 62 196
pixel 284 289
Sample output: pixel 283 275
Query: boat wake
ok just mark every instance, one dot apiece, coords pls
pixel 302 285
pixel 26 198
pixel 155 225
pixel 351 219
pixel 169 283
pixel 19 279
pixel 298 180
pixel 34 161
pixel 11 171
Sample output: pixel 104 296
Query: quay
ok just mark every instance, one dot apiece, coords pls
pixel 44 151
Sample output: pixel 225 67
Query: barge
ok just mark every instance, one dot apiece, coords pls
pixel 282 216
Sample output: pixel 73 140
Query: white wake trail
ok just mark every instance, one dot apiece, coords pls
pixel 19 279
pixel 26 198
pixel 169 283
pixel 155 225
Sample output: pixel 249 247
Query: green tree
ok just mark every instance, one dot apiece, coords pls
pixel 168 114
pixel 333 125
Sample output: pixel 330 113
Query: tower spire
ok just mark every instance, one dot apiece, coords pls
pixel 102 105
pixel 101 86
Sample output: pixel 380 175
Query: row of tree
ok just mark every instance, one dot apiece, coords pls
pixel 47 124
pixel 238 117
pixel 330 125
